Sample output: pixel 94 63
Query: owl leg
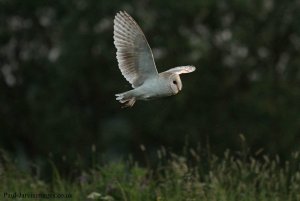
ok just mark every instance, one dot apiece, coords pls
pixel 123 98
pixel 129 103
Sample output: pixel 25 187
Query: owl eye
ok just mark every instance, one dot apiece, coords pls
pixel 174 82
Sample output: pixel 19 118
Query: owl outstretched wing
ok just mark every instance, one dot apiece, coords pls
pixel 134 54
pixel 182 69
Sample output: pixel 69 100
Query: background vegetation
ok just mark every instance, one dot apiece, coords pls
pixel 193 176
pixel 58 77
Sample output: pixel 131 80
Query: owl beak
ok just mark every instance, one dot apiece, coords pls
pixel 179 86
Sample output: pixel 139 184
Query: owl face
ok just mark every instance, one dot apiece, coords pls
pixel 175 83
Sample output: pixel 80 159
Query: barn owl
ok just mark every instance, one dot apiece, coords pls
pixel 137 64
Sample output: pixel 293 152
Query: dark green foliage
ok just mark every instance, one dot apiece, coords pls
pixel 59 75
pixel 208 178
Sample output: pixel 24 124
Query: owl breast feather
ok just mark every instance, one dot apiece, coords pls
pixel 154 88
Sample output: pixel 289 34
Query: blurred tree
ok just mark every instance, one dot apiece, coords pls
pixel 59 76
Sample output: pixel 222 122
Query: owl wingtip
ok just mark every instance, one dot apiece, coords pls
pixel 191 66
pixel 121 12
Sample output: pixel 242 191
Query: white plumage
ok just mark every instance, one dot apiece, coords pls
pixel 137 64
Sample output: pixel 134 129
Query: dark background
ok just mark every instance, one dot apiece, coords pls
pixel 59 74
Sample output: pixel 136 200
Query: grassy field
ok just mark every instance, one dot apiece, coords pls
pixel 186 177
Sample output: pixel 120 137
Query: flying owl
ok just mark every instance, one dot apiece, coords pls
pixel 137 64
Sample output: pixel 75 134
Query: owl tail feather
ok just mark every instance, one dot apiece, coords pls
pixel 128 101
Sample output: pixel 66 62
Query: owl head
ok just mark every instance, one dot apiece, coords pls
pixel 175 83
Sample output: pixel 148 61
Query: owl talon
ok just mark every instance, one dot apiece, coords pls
pixel 128 103
pixel 123 98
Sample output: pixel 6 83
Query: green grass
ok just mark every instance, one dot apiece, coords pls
pixel 189 177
